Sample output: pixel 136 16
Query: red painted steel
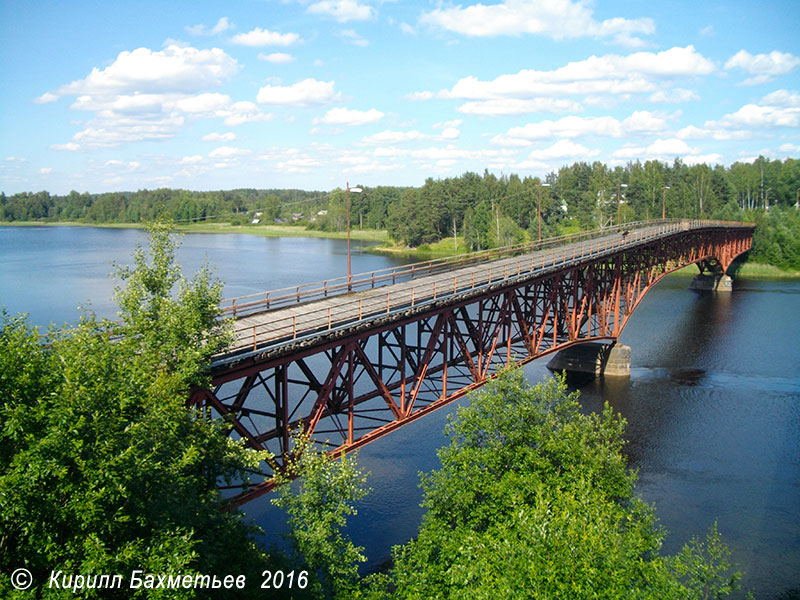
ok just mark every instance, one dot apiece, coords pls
pixel 356 380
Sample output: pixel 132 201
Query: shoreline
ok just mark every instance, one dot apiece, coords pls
pixel 745 270
pixel 364 235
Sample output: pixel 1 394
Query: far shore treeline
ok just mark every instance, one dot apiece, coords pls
pixel 477 211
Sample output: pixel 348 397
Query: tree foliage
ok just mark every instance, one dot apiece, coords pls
pixel 534 500
pixel 485 209
pixel 104 468
pixel 318 505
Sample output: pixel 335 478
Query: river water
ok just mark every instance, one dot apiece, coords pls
pixel 712 403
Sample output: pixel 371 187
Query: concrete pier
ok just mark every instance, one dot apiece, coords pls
pixel 712 283
pixel 594 358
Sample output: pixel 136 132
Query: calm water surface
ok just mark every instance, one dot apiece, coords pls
pixel 712 404
pixel 49 271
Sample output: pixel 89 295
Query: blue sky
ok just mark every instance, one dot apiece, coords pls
pixel 312 94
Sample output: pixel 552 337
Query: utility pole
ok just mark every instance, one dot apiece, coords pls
pixel 349 272
pixel 539 207
pixel 664 203
pixel 619 202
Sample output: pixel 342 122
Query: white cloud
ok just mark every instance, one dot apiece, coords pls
pixel 175 69
pixel 69 146
pixel 563 149
pixel 674 95
pixel 518 106
pixel 707 31
pixel 242 112
pixel 573 126
pixel 308 92
pixel 663 149
pixel 757 116
pixel 764 67
pixel 789 148
pixel 342 10
pixel 219 137
pixel 643 121
pixel 446 124
pixel 222 26
pixel 131 166
pixel 557 19
pixel 191 160
pixel 106 133
pixel 227 152
pixel 407 29
pixel 147 95
pixel 276 57
pixel 393 137
pixel 264 37
pixel 45 170
pixel 450 133
pixel 420 96
pixel 568 127
pixel 691 132
pixel 302 164
pixel 783 98
pixel 451 152
pixel 352 37
pixel 46 98
pixel 346 116
pixel 203 103
pixel 373 167
pixel 594 78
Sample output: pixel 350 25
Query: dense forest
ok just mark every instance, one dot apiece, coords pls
pixel 484 210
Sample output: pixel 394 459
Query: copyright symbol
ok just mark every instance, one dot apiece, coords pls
pixel 21 579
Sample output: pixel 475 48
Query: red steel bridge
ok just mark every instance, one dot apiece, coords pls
pixel 350 360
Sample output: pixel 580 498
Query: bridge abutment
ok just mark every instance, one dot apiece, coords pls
pixel 713 283
pixel 594 358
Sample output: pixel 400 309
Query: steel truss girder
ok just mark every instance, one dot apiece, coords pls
pixel 346 393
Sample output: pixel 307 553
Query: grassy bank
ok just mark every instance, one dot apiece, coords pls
pixel 367 235
pixel 744 270
pixel 750 270
pixel 441 249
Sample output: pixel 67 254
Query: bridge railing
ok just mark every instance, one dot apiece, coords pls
pixel 361 307
pixel 278 298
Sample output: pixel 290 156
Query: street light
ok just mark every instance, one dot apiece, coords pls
pixel 619 223
pixel 355 190
pixel 539 207
pixel 664 203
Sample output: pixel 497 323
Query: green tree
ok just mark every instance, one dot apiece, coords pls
pixel 318 505
pixel 105 470
pixel 533 500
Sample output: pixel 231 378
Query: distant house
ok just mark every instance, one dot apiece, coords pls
pixel 256 221
pixel 322 213
pixel 297 216
pixel 279 221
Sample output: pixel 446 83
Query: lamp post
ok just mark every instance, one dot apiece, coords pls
pixel 664 203
pixel 619 185
pixel 349 272
pixel 539 207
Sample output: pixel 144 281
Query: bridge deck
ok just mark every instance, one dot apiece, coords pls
pixel 268 329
